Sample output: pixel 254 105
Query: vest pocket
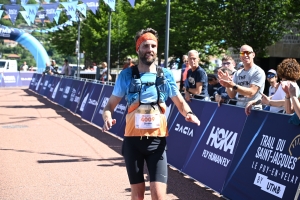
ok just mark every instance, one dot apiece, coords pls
pixel 135 86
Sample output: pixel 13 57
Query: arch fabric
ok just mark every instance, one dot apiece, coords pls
pixel 31 43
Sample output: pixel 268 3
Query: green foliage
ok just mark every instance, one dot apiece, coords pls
pixel 209 26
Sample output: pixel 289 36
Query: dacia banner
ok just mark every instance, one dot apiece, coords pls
pixel 118 114
pixel 44 85
pixel 26 78
pixel 84 98
pixel 32 82
pixel 66 85
pixel 77 90
pixel 73 91
pixel 106 93
pixel 10 79
pixel 212 156
pixel 59 90
pixel 266 164
pixel 37 82
pixel 183 131
pixel 41 84
pixel 48 84
pixel 92 102
pixel 54 88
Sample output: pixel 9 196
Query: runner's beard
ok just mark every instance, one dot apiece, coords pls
pixel 147 61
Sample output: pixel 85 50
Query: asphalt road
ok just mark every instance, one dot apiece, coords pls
pixel 47 152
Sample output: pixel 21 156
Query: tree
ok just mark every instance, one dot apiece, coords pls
pixel 257 23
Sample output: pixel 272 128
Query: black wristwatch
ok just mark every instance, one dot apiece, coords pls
pixel 190 112
pixel 258 102
pixel 235 87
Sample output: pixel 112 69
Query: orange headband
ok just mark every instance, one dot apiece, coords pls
pixel 144 37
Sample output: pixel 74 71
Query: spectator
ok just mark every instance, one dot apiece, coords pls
pixel 275 93
pixel 272 79
pixel 128 63
pixel 213 85
pixel 184 71
pixel 24 66
pixel 239 66
pixel 196 82
pixel 289 72
pixel 183 66
pixel 246 84
pixel 227 61
pixel 66 69
pixel 49 69
pixel 187 67
pixel 221 95
pixel 103 76
pixel 94 67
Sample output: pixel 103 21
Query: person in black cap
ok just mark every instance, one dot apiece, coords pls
pixel 213 85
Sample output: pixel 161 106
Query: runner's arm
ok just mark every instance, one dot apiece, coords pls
pixel 110 106
pixel 107 112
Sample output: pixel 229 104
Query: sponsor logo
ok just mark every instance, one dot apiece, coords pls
pixel 184 129
pixel 222 139
pixel 50 11
pixel 72 95
pixel 120 108
pixel 269 186
pixel 67 90
pixel 93 102
pixel 92 4
pixel 104 103
pixel 9 79
pixel 295 147
pixel 26 79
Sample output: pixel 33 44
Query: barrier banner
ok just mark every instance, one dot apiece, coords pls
pixel 106 93
pixel 75 96
pixel 26 78
pixel 92 102
pixel 84 98
pixel 2 84
pixel 43 85
pixel 212 156
pixel 32 82
pixel 37 82
pixel 60 90
pixel 73 90
pixel 266 164
pixel 183 131
pixel 53 88
pixel 66 91
pixel 10 79
pixel 48 84
pixel 119 112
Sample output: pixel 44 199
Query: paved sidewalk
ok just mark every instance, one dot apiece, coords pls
pixel 48 153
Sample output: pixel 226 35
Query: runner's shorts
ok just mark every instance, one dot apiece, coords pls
pixel 136 150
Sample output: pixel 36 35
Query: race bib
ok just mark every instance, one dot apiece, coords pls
pixel 147 121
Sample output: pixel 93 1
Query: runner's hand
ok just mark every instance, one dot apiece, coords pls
pixel 108 124
pixel 192 118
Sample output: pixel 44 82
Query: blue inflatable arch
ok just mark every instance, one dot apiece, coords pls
pixel 31 43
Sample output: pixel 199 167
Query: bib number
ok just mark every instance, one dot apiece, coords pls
pixel 147 121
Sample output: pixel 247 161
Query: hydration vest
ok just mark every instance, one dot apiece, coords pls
pixel 136 84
